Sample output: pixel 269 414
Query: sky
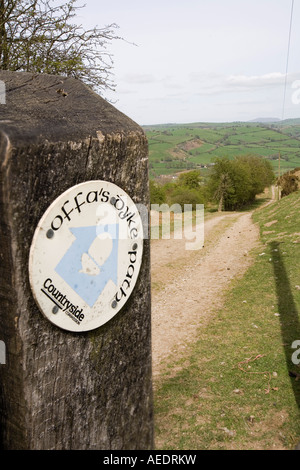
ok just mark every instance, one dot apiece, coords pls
pixel 202 60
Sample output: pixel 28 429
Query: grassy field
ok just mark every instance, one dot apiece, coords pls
pixel 233 389
pixel 173 148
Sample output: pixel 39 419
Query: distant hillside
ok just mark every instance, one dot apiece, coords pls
pixel 290 122
pixel 178 147
pixel 265 120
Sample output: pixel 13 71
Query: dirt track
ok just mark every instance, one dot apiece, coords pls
pixel 189 285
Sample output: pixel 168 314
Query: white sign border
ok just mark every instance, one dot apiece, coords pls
pixel 124 208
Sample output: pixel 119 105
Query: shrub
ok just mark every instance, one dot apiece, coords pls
pixel 289 183
pixel 234 183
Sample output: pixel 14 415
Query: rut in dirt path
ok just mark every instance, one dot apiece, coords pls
pixel 198 282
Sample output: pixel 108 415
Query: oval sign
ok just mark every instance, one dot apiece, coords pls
pixel 86 255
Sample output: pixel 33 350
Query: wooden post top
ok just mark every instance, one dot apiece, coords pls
pixel 55 108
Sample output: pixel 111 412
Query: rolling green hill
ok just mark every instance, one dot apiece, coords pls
pixel 174 147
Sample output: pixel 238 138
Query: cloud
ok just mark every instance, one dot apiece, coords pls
pixel 216 84
pixel 258 81
pixel 124 91
pixel 140 79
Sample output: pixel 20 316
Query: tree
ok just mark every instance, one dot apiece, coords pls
pixel 261 173
pixel 220 184
pixel 157 193
pixel 40 36
pixel 183 195
pixel 186 190
pixel 223 188
pixel 234 183
pixel 191 179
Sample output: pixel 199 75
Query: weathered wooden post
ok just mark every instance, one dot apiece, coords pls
pixel 78 345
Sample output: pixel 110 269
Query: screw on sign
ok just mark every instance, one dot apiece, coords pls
pixel 86 255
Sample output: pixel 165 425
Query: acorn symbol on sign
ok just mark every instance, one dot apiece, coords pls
pixel 97 255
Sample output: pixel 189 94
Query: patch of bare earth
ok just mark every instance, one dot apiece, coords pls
pixel 272 222
pixel 180 151
pixel 191 144
pixel 189 285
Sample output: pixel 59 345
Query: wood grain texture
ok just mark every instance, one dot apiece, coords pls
pixel 63 390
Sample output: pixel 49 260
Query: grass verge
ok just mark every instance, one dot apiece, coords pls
pixel 234 390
